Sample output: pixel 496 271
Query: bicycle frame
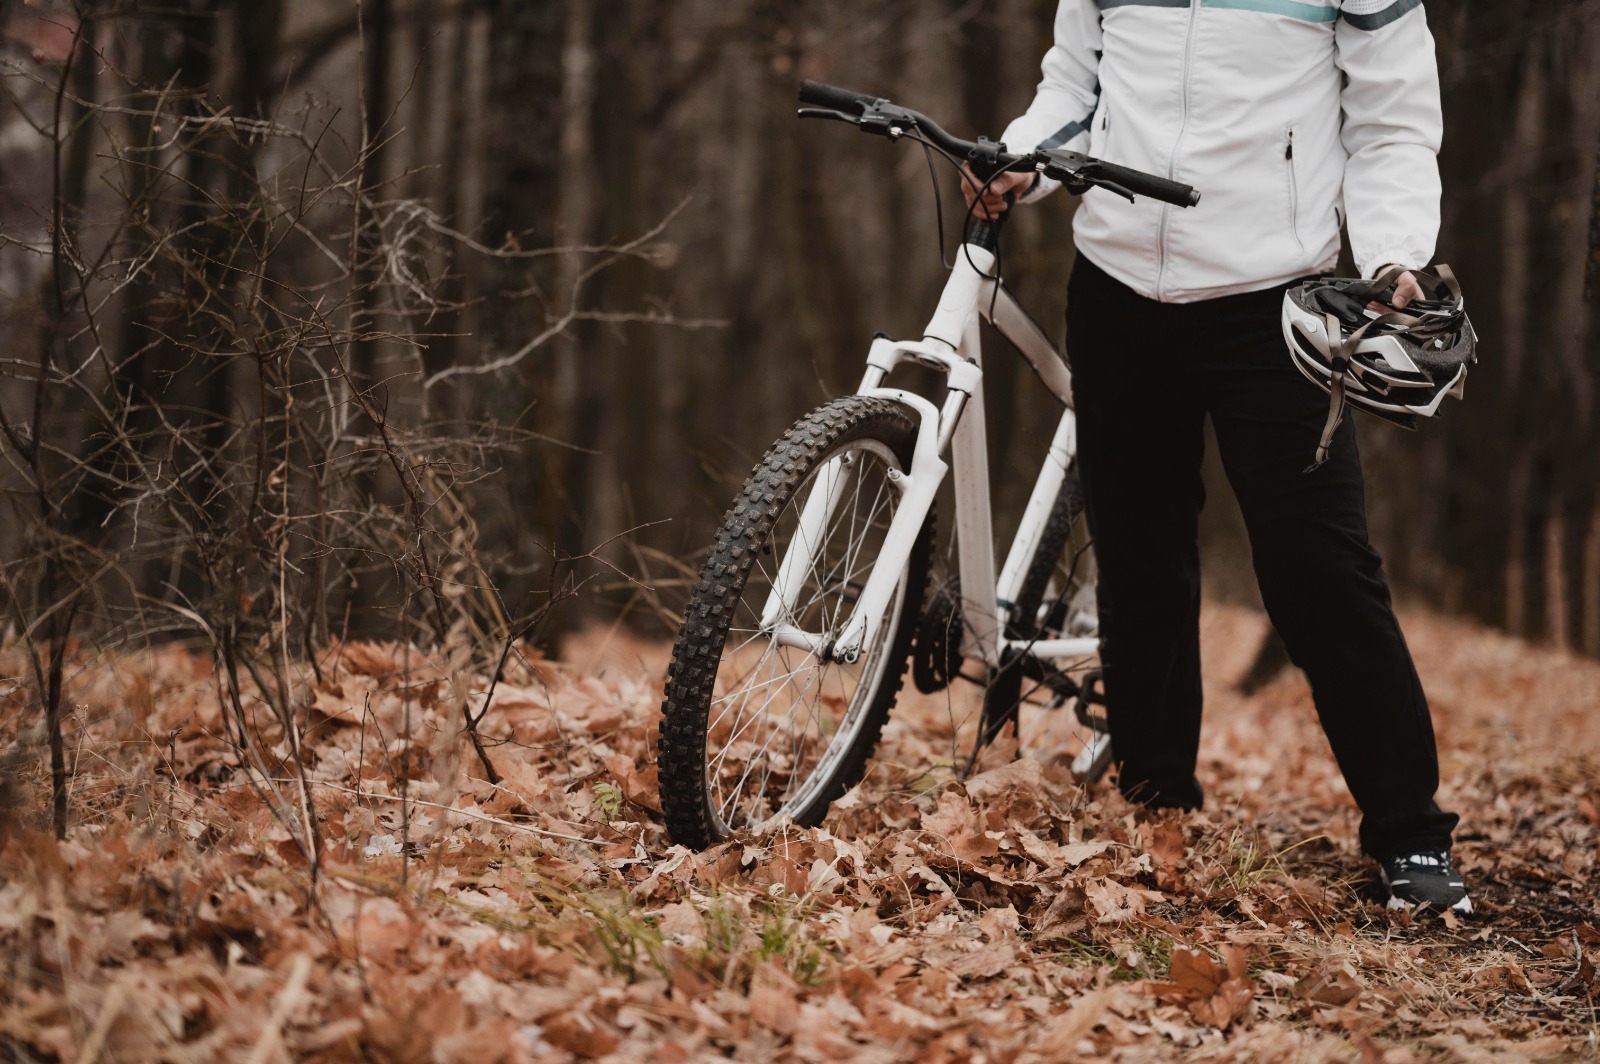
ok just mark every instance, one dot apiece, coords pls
pixel 952 344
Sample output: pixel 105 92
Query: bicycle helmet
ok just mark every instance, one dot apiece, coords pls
pixel 1399 364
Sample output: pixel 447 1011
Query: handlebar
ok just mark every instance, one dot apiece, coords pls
pixel 834 98
pixel 1118 178
pixel 1078 172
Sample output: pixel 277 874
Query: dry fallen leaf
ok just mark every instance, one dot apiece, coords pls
pixel 1014 915
pixel 1331 984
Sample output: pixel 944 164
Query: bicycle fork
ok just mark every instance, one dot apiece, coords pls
pixel 952 328
pixel 917 488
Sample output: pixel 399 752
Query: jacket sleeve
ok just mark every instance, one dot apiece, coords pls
pixel 1063 109
pixel 1392 129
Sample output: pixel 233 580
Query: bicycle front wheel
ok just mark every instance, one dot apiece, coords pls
pixel 756 726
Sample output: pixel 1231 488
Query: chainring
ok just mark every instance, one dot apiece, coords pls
pixel 936 657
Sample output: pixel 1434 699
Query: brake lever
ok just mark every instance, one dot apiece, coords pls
pixel 1112 186
pixel 1074 171
pixel 828 113
pixel 1077 184
pixel 888 120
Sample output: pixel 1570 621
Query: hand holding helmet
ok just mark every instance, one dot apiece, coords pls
pixel 1405 290
pixel 1396 363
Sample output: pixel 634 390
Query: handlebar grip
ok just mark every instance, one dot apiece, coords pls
pixel 1143 184
pixel 817 94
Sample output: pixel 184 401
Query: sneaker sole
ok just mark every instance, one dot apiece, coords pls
pixel 1464 906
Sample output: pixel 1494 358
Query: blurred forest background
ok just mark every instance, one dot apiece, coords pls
pixel 419 316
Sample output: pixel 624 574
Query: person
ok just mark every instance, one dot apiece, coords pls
pixel 1295 119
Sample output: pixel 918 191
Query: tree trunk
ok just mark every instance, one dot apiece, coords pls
pixel 376 41
pixel 1527 139
pixel 581 367
pixel 1590 595
pixel 521 139
pixel 1556 616
pixel 1572 249
pixel 1516 561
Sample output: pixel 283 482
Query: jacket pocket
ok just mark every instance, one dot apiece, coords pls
pixel 1100 131
pixel 1292 166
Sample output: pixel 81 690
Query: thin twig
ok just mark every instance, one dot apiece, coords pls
pixel 470 814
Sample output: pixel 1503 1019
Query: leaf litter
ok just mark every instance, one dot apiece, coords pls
pixel 1011 916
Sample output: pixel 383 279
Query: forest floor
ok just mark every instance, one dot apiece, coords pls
pixel 1009 916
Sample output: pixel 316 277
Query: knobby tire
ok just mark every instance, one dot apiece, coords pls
pixel 743 539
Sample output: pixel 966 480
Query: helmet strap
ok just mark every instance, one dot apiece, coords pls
pixel 1341 365
pixel 1431 322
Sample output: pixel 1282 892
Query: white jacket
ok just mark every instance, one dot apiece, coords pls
pixel 1287 115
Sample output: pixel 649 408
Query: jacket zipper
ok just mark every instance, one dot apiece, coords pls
pixel 1294 193
pixel 1172 161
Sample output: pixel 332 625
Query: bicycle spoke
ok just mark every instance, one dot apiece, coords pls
pixel 761 712
pixel 849 560
pixel 739 729
pixel 855 508
pixel 849 570
pixel 745 692
pixel 770 736
pixel 738 788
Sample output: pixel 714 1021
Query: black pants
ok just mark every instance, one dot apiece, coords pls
pixel 1145 375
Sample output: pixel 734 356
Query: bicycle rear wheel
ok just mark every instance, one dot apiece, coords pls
pixel 753 728
pixel 1056 601
pixel 1057 594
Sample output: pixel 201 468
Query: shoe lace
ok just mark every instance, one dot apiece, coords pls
pixel 1437 861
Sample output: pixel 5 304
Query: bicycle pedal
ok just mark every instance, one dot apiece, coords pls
pixel 1060 684
pixel 1092 694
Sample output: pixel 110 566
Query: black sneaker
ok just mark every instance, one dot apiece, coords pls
pixel 1426 879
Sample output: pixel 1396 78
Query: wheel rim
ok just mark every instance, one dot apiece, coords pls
pixel 782 718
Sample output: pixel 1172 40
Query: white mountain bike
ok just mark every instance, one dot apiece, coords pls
pixel 810 604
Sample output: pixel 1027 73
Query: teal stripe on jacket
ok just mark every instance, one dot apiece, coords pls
pixel 1296 9
pixel 1291 8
